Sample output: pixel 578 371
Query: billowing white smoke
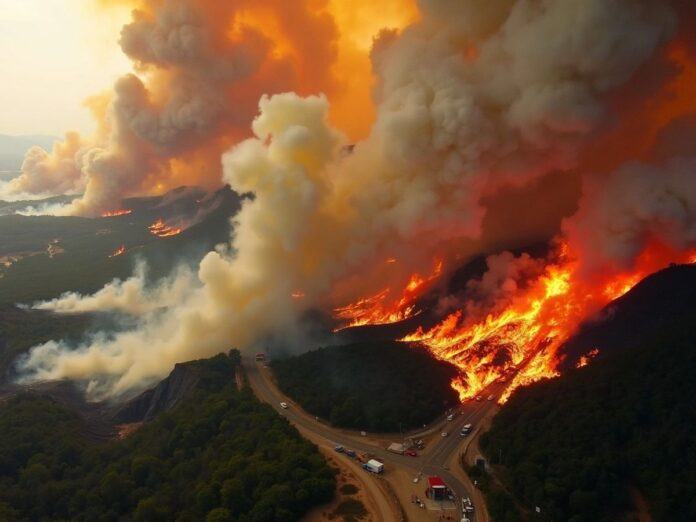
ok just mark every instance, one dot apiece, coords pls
pixel 44 173
pixel 132 296
pixel 620 214
pixel 196 84
pixel 471 98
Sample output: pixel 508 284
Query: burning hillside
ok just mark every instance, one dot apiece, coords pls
pixel 116 213
pixel 495 124
pixel 160 229
pixel 515 337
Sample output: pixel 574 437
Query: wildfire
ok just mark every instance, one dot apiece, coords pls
pixel 379 309
pixel 518 343
pixel 116 213
pixel 160 229
pixel 585 359
pixel 120 250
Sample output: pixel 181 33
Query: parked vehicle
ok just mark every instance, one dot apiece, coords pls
pixel 284 405
pixel 339 449
pixel 374 466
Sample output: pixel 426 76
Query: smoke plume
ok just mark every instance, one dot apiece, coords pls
pixel 473 98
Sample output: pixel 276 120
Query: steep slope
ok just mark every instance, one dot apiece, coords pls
pixel 220 454
pixel 586 446
pixel 180 384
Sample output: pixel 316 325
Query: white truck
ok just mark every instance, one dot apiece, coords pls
pixel 374 466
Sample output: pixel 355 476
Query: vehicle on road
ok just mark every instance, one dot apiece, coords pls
pixel 479 398
pixel 466 429
pixel 374 466
pixel 284 405
pixel 411 453
pixel 491 397
pixel 450 417
pixel 444 433
pixel 397 448
pixel 339 449
pixel 351 453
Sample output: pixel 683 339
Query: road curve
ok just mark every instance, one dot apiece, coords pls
pixel 432 462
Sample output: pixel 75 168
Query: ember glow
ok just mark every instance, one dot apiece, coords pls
pixel 585 359
pixel 160 229
pixel 381 308
pixel 116 213
pixel 119 251
pixel 518 344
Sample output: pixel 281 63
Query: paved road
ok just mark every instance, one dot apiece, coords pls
pixel 432 462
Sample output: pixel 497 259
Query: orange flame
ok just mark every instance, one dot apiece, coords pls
pixel 297 294
pixel 518 344
pixel 120 250
pixel 116 213
pixel 585 359
pixel 160 229
pixel 378 309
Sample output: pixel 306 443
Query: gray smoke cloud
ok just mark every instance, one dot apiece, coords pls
pixel 474 97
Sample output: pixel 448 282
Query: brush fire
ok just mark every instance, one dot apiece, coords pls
pixel 481 127
pixel 116 213
pixel 119 251
pixel 160 229
pixel 517 340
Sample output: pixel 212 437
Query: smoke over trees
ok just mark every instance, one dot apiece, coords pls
pixel 471 99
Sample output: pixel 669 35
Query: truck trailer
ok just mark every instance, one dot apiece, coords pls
pixel 374 466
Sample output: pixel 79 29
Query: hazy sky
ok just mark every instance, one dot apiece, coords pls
pixel 54 54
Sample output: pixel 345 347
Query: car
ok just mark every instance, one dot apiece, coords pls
pixel 469 508
pixel 415 480
pixel 450 417
pixel 491 397
pixel 351 453
pixel 479 398
pixel 411 453
pixel 444 433
pixel 284 405
pixel 339 449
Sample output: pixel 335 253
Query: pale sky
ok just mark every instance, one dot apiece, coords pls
pixel 53 55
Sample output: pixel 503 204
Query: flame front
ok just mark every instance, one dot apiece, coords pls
pixel 116 213
pixel 518 344
pixel 119 251
pixel 160 229
pixel 379 309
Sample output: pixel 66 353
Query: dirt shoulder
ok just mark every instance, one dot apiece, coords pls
pixel 379 508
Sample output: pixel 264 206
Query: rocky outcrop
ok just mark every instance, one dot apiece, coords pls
pixel 168 393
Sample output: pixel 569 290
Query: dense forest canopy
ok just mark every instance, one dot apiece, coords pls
pixel 220 455
pixel 340 384
pixel 590 445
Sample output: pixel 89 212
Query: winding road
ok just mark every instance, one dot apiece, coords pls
pixel 432 461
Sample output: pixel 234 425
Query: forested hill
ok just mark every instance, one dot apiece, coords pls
pixel 591 444
pixel 220 455
pixel 341 383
